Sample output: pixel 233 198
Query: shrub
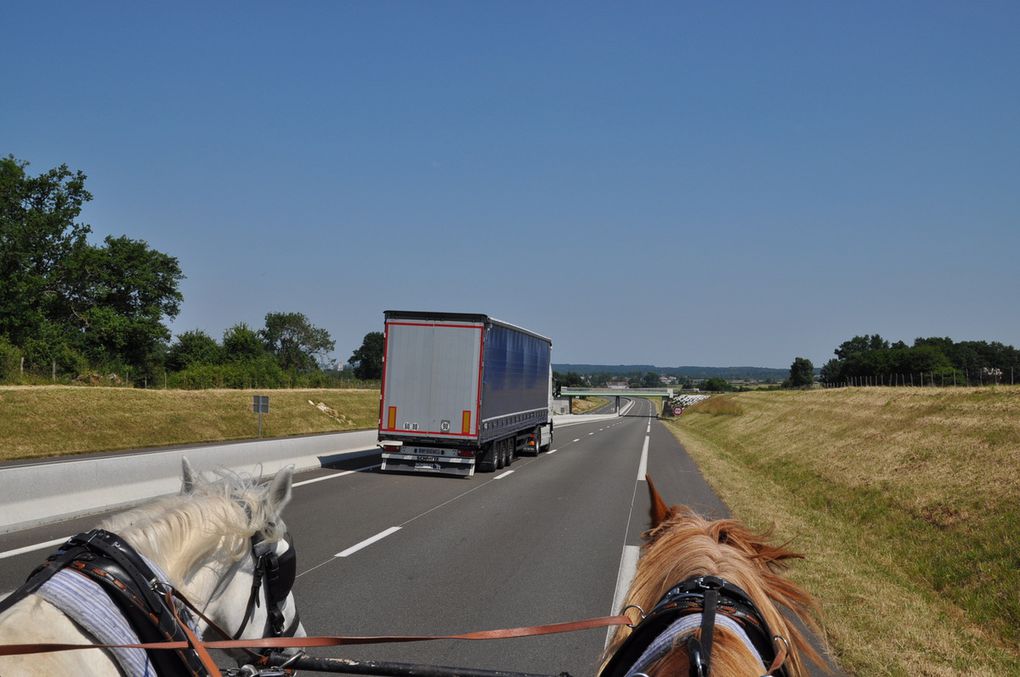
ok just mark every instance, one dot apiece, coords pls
pixel 10 361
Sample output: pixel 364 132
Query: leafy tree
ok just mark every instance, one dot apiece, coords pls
pixel 716 384
pixel 861 344
pixel 831 371
pixel 38 232
pixel 296 343
pixel 241 343
pixel 802 373
pixel 367 360
pixel 193 347
pixel 116 297
pixel 62 299
pixel 650 380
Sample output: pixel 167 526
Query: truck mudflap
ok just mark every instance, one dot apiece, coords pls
pixel 416 462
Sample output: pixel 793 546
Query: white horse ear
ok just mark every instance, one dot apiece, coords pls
pixel 279 490
pixel 188 476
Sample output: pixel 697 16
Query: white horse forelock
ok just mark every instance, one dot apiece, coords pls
pixel 214 520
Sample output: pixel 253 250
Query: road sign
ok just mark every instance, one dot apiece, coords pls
pixel 678 410
pixel 260 404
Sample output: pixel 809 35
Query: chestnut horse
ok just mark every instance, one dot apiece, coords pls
pixel 686 556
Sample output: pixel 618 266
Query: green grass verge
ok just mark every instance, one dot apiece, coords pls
pixel 906 503
pixel 583 405
pixel 41 421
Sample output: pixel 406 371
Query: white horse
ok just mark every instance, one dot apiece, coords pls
pixel 202 539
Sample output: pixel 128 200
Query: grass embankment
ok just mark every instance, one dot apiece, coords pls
pixel 582 405
pixel 906 503
pixel 37 421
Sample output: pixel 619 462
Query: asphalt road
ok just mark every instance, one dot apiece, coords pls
pixel 539 542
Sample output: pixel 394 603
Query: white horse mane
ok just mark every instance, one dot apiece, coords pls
pixel 212 520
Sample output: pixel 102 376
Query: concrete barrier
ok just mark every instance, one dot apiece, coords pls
pixel 39 493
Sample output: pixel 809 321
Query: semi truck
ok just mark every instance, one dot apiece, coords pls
pixel 462 391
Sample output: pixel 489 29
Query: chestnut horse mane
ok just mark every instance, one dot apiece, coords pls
pixel 682 544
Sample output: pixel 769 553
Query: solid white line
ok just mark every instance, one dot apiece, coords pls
pixel 367 542
pixel 30 548
pixel 339 474
pixel 552 451
pixel 628 567
pixel 643 466
pixel 499 477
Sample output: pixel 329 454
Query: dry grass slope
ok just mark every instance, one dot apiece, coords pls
pixel 39 421
pixel 906 503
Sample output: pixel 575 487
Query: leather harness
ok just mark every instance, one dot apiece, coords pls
pixel 152 608
pixel 708 596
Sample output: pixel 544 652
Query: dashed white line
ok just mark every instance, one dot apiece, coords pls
pixel 591 433
pixel 577 440
pixel 552 451
pixel 30 548
pixel 499 477
pixel 367 542
pixel 643 466
pixel 329 477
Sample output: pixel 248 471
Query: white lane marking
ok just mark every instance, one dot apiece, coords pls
pixel 499 477
pixel 643 466
pixel 591 433
pixel 578 439
pixel 367 542
pixel 628 567
pixel 30 548
pixel 552 451
pixel 339 474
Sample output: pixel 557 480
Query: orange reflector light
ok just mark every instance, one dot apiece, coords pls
pixel 391 421
pixel 465 422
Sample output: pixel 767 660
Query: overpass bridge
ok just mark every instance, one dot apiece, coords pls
pixel 571 393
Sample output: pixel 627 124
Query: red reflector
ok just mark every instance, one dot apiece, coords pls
pixel 465 453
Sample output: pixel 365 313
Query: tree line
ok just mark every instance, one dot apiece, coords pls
pixel 873 359
pixel 74 310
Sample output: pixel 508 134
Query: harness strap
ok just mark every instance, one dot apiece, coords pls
pixel 44 572
pixel 193 641
pixel 708 628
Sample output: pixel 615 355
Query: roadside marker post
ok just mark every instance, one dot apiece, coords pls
pixel 260 405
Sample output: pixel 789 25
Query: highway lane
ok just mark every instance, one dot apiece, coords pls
pixel 541 544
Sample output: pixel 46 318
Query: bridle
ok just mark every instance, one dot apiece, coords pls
pixel 274 573
pixel 715 599
pixel 154 610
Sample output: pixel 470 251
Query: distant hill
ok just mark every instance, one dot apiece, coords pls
pixel 728 373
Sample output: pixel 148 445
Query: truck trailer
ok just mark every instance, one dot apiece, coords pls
pixel 462 391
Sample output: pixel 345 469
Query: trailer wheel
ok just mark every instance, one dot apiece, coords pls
pixel 511 451
pixel 499 450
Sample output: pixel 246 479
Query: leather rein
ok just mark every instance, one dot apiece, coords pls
pixel 161 615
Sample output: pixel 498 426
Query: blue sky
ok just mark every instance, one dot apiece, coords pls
pixel 665 183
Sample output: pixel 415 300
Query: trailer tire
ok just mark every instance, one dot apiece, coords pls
pixel 500 452
pixel 487 458
pixel 511 449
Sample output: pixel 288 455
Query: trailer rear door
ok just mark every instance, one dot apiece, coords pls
pixel 432 378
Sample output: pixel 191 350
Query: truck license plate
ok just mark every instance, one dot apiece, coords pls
pixel 426 459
